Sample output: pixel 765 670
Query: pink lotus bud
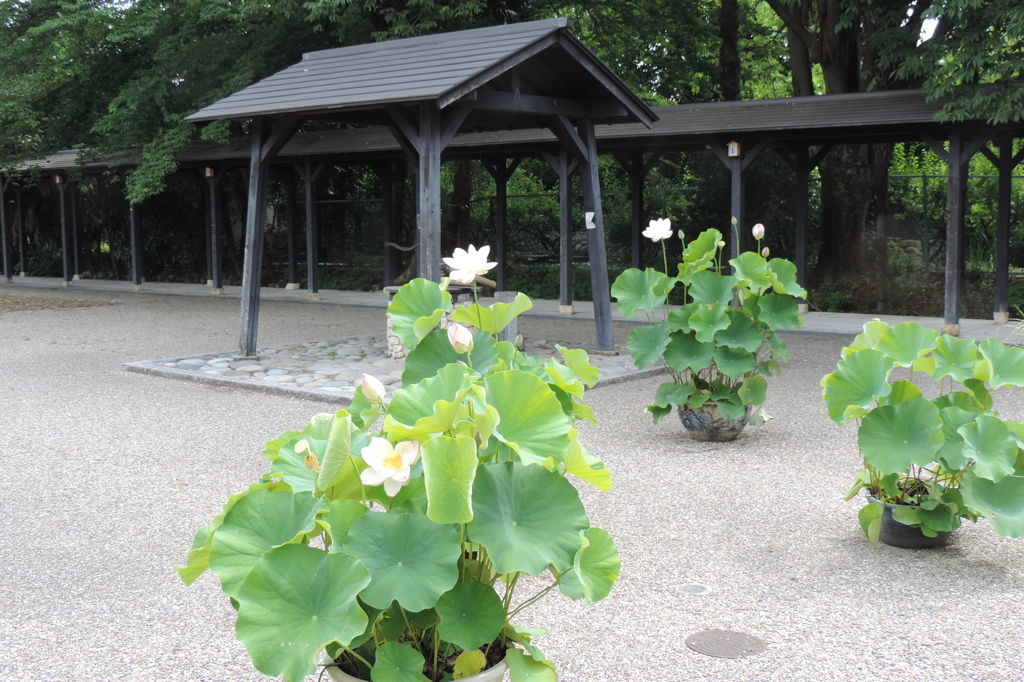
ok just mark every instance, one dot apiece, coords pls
pixel 758 231
pixel 460 338
pixel 764 252
pixel 373 389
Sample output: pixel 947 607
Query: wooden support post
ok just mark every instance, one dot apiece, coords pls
pixel 1005 161
pixel 637 170
pixel 76 255
pixel 309 174
pixel 954 222
pixel 65 236
pixel 207 223
pixel 386 174
pixel 19 215
pixel 135 228
pixel 290 187
pixel 213 178
pixel 501 172
pixel 255 225
pixel 565 165
pixel 428 222
pixel 802 163
pixel 595 238
pixel 5 236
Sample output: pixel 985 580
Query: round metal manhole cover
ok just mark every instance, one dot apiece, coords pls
pixel 725 644
pixel 695 588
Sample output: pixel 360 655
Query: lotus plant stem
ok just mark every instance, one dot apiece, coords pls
pixel 533 599
pixel 353 654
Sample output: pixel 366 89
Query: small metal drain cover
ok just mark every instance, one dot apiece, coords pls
pixel 695 588
pixel 724 644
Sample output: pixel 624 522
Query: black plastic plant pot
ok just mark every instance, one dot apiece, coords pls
pixel 706 423
pixel 896 534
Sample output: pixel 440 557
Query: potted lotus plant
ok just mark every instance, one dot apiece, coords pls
pixel 721 342
pixel 392 541
pixel 930 462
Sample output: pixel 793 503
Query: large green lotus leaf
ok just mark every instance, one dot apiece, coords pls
pixel 752 268
pixel 709 319
pixel 979 391
pixel 708 286
pixel 523 668
pixel 868 338
pixel 337 454
pixel 339 517
pixel 527 517
pixel 597 564
pixel 870 519
pixel 198 561
pixel 580 464
pixel 416 300
pixel 893 437
pixel 734 362
pixel 1007 363
pixel 295 601
pixel 753 391
pixel 563 378
pixel 700 253
pixel 954 358
pixel 990 444
pixel 741 333
pixel 471 615
pixel 272 448
pixel 578 361
pixel 901 391
pixel 411 559
pixel 647 343
pixel 291 465
pixel 1002 502
pixel 435 351
pixel 779 311
pixel 639 290
pixel 257 523
pixel 671 393
pixel 783 277
pixel 685 352
pixel 398 662
pixel 494 318
pixel 412 410
pixel 679 319
pixel 469 663
pixel 530 417
pixel 952 450
pixel 860 379
pixel 449 468
pixel 906 342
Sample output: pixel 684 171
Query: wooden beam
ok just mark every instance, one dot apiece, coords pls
pixel 76 255
pixel 564 165
pixel 570 138
pixel 65 237
pixel 428 180
pixel 291 194
pixel 216 256
pixel 501 171
pixel 452 124
pixel 496 100
pixel 951 322
pixel 595 239
pixel 309 173
pixel 19 216
pixel 386 174
pixel 1004 165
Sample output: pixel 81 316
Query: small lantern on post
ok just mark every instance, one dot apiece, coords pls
pixel 732 148
pixel 208 171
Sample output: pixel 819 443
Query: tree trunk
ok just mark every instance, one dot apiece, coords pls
pixel 728 54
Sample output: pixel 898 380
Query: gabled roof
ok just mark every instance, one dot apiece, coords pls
pixel 545 56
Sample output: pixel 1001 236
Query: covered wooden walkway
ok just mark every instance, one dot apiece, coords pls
pixel 519 103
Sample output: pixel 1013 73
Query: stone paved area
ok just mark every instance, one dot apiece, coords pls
pixel 329 370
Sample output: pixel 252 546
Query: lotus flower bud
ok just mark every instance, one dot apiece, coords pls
pixel 764 252
pixel 758 231
pixel 519 342
pixel 460 338
pixel 373 389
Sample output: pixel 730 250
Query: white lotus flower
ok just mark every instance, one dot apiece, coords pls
pixel 389 465
pixel 466 265
pixel 373 389
pixel 658 230
pixel 460 338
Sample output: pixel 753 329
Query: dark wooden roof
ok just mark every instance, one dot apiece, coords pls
pixel 833 119
pixel 530 59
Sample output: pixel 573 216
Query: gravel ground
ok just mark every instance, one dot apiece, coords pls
pixel 109 473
